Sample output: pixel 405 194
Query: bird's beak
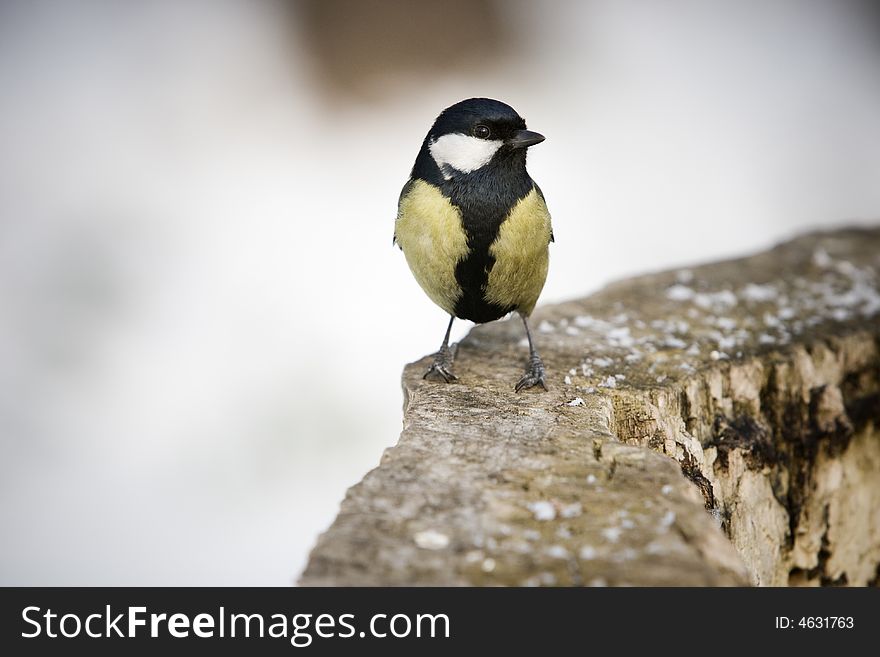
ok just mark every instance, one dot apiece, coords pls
pixel 524 139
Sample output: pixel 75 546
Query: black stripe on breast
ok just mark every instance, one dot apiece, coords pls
pixel 484 197
pixel 472 274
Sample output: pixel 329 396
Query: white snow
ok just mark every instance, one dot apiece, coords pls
pixel 667 519
pixel 674 343
pixel 587 553
pixel 712 300
pixel 557 552
pixel 620 337
pixel 759 293
pixel 680 292
pixel 612 534
pixel 821 258
pixel 431 540
pixel 542 510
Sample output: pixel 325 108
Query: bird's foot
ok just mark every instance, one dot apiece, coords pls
pixel 534 375
pixel 441 368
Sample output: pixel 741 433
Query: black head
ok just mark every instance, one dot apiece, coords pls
pixel 472 116
pixel 472 134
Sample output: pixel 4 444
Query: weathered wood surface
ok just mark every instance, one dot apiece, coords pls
pixel 709 426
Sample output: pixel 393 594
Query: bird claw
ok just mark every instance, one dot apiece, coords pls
pixel 441 367
pixel 441 371
pixel 534 376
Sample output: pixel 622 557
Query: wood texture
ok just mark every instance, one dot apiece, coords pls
pixel 710 426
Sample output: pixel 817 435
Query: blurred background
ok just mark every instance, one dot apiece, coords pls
pixel 202 319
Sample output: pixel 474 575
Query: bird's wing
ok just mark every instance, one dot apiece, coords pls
pixel 403 192
pixel 541 194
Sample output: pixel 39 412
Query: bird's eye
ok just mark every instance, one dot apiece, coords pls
pixel 482 131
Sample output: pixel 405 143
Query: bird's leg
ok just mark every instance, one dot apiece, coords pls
pixel 535 372
pixel 442 365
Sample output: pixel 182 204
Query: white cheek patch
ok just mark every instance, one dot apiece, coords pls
pixel 462 153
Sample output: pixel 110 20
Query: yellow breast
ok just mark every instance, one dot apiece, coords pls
pixel 430 232
pixel 521 255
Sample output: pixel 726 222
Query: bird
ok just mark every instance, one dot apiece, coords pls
pixel 473 225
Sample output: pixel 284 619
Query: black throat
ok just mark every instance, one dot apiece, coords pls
pixel 484 197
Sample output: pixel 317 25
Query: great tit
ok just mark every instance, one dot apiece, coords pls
pixel 473 225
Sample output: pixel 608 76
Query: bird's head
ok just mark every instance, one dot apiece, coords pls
pixel 472 133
